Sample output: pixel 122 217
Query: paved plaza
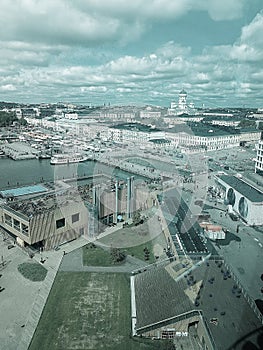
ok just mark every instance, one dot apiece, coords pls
pixel 22 301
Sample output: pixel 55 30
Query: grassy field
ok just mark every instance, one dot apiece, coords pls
pixel 130 236
pixel 133 240
pixel 88 311
pixel 96 256
pixel 138 251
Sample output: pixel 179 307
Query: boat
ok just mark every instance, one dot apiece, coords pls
pixel 44 156
pixel 68 158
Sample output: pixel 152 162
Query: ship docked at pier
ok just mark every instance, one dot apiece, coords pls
pixel 58 159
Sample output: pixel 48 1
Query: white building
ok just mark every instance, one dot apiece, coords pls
pixel 206 139
pixel 149 113
pixel 134 132
pixel 259 159
pixel 182 107
pixel 73 116
pixel 245 199
pixel 203 142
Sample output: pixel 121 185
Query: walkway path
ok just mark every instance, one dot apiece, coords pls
pixel 53 260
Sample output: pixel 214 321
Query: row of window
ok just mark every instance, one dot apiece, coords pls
pixel 16 224
pixel 259 165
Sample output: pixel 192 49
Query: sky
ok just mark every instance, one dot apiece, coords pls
pixel 137 52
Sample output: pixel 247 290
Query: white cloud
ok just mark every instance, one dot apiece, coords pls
pixel 224 9
pixel 94 89
pixel 8 87
pixel 86 23
pixel 252 33
pixel 47 47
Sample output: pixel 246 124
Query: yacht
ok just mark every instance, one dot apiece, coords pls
pixel 68 158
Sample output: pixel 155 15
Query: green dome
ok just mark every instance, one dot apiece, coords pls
pixel 183 92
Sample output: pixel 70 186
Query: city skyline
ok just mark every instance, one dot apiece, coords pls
pixel 132 53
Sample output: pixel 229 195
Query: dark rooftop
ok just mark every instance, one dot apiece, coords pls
pixel 209 288
pixel 160 141
pixel 135 127
pixel 204 129
pixel 248 191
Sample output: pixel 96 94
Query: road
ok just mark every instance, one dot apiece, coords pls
pixel 243 250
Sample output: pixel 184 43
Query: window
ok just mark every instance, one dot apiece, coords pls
pixel 60 223
pixel 17 224
pixel 81 231
pixel 24 229
pixel 75 218
pixel 8 219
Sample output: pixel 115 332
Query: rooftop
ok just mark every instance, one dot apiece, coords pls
pixel 35 206
pixel 183 92
pixel 160 141
pixel 209 288
pixel 22 191
pixel 135 127
pixel 248 191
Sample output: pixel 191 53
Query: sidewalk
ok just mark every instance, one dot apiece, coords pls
pixel 52 263
pixel 22 301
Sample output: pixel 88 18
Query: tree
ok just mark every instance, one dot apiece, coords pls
pixel 136 217
pixel 7 119
pixel 246 123
pixel 117 255
pixel 22 122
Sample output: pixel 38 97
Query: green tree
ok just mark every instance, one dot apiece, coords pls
pixel 22 121
pixel 117 255
pixel 246 123
pixel 7 119
pixel 136 216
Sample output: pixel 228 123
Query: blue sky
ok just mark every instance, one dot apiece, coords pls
pixel 132 52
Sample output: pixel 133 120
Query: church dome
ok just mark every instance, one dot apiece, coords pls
pixel 183 92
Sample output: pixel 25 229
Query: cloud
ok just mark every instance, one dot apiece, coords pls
pixel 87 23
pixel 8 87
pixel 49 49
pixel 54 22
pixel 224 9
pixel 252 33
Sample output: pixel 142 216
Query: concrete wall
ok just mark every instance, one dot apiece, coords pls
pixel 44 226
pixel 181 329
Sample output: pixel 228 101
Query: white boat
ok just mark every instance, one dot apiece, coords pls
pixel 68 158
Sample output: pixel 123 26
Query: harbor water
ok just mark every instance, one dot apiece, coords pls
pixel 26 172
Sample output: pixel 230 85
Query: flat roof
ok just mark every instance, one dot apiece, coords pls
pixel 248 191
pixel 159 297
pixel 135 127
pixel 22 191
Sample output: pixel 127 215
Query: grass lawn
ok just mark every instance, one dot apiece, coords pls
pixel 138 251
pixel 88 311
pixel 96 256
pixel 134 239
pixel 32 271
